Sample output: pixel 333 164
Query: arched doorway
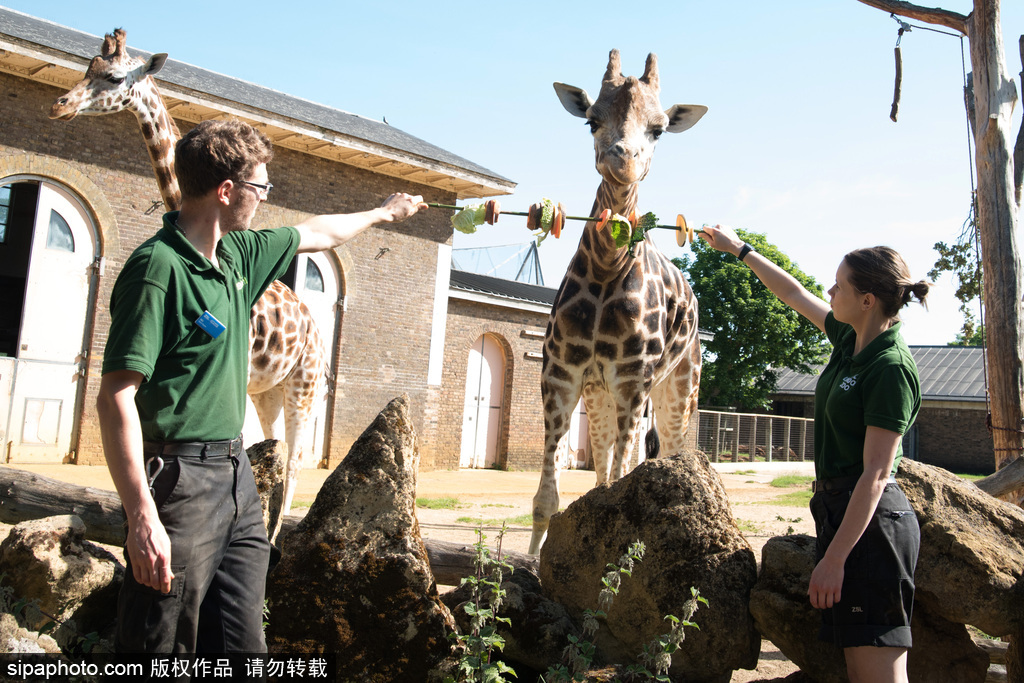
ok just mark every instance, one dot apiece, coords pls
pixel 314 278
pixel 48 249
pixel 485 392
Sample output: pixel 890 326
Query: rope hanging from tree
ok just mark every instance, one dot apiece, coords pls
pixel 972 213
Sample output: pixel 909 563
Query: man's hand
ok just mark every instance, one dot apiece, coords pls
pixel 150 551
pixel 400 206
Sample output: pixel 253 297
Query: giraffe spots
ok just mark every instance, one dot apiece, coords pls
pixel 631 369
pixel 595 290
pixel 652 322
pixel 557 372
pixel 274 342
pixel 576 354
pixel 654 347
pixel 579 319
pixel 568 291
pixel 633 345
pixel 580 265
pixel 634 279
pixel 605 349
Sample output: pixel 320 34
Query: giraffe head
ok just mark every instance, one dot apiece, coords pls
pixel 627 119
pixel 113 82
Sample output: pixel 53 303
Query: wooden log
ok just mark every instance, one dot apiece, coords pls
pixel 1008 479
pixel 25 496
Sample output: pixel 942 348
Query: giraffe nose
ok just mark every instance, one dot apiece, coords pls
pixel 621 149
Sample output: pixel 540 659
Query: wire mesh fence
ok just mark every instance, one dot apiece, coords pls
pixel 746 437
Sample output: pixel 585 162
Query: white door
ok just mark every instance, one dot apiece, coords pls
pixel 481 419
pixel 40 378
pixel 313 278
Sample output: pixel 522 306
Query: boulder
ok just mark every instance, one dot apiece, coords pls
pixel 73 580
pixel 943 650
pixel 678 507
pixel 971 565
pixel 14 638
pixel 354 579
pixel 539 628
pixel 268 460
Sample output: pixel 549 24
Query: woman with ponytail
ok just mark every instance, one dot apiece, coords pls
pixel 867 397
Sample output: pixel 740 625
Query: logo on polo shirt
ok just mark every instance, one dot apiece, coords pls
pixel 848 383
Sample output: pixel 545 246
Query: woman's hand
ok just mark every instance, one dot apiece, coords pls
pixel 826 588
pixel 722 238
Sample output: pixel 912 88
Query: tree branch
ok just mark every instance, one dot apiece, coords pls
pixel 930 15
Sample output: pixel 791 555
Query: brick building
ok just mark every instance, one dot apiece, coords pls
pixel 950 430
pixel 77 197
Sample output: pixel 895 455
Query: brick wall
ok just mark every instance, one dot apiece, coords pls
pixel 521 440
pixel 385 338
pixel 955 438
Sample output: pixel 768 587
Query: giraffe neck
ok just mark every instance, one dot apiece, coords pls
pixel 160 134
pixel 604 257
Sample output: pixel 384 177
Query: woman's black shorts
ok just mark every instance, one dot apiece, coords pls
pixel 878 586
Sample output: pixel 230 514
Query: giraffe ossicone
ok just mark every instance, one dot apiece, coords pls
pixel 287 359
pixel 621 329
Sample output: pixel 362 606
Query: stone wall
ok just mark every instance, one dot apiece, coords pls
pixel 385 335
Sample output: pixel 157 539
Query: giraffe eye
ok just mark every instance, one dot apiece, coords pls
pixel 116 80
pixel 594 125
pixel 656 133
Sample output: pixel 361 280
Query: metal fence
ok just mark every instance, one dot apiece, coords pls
pixel 746 437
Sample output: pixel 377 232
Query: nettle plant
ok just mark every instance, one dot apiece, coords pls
pixel 657 655
pixel 477 663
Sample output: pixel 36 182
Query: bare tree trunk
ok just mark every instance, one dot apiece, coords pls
pixel 995 94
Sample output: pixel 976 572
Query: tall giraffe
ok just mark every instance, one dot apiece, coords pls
pixel 287 359
pixel 621 328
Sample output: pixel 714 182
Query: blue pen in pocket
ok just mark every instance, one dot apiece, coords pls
pixel 207 323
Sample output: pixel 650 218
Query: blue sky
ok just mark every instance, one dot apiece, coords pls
pixel 797 143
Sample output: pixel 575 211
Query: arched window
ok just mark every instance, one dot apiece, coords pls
pixel 314 278
pixel 59 235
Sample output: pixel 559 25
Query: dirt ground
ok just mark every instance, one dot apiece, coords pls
pixel 488 496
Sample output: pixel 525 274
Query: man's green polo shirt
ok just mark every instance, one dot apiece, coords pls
pixel 194 383
pixel 878 387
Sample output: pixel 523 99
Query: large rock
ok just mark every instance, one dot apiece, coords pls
pixel 678 507
pixel 268 460
pixel 971 565
pixel 943 651
pixel 354 578
pixel 48 560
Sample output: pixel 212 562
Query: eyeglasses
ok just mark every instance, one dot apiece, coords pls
pixel 264 188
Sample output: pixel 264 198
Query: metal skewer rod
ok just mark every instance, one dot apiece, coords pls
pixel 593 219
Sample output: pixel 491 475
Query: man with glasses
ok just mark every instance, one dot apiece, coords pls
pixel 172 396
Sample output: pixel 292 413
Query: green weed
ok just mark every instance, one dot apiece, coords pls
pixel 443 503
pixel 791 480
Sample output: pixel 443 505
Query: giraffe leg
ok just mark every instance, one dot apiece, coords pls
pixel 675 401
pixel 602 429
pixel 626 441
pixel 558 406
pixel 269 405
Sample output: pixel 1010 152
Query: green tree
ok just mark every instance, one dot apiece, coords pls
pixel 961 259
pixel 754 331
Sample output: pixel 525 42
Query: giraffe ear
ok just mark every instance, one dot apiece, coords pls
pixel 575 100
pixel 154 64
pixel 684 116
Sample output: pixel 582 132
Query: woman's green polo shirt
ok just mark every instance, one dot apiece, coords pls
pixel 194 382
pixel 878 387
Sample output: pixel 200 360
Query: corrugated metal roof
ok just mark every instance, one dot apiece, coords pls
pixel 55 38
pixel 948 373
pixel 506 289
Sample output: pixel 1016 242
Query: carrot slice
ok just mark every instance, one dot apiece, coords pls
pixel 603 219
pixel 556 226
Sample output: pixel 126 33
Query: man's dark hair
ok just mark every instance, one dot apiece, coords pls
pixel 215 151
